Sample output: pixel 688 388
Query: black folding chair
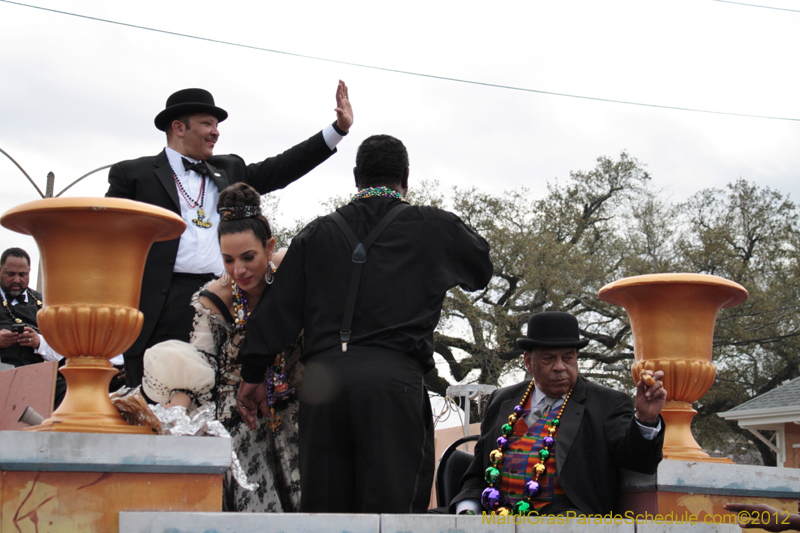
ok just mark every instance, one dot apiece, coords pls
pixel 452 466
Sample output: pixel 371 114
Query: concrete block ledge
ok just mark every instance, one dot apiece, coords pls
pixel 106 452
pixel 717 478
pixel 162 522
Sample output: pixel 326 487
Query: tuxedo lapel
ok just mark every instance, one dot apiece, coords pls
pixel 571 420
pixel 167 178
pixel 218 176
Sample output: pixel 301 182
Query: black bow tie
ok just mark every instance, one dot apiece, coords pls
pixel 200 167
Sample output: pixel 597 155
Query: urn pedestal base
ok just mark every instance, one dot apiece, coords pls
pixel 86 406
pixel 679 443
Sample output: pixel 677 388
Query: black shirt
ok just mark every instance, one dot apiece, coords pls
pixel 422 254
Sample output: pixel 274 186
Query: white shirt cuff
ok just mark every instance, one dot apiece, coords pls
pixel 468 505
pixel 331 137
pixel 47 353
pixel 647 432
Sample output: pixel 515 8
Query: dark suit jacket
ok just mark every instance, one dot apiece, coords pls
pixel 150 179
pixel 15 354
pixel 597 436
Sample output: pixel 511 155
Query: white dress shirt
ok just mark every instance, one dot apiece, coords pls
pixel 198 249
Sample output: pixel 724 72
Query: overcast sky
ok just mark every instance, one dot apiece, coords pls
pixel 77 94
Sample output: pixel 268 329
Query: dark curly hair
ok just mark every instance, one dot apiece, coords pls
pixel 381 160
pixel 242 194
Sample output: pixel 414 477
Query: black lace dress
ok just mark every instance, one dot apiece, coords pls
pixel 207 369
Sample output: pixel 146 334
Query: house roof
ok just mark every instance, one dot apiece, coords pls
pixel 787 395
pixel 769 410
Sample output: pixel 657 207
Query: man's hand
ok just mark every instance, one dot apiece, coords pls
pixel 763 516
pixel 7 338
pixel 29 337
pixel 344 113
pixel 251 398
pixel 650 399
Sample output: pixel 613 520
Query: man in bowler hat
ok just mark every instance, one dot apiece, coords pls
pixel 186 178
pixel 565 439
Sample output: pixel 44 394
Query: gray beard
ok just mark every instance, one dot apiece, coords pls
pixel 13 294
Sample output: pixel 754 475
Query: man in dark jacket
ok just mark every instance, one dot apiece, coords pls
pixel 20 341
pixel 187 178
pixel 562 449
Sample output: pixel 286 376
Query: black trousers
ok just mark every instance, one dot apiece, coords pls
pixel 366 433
pixel 174 322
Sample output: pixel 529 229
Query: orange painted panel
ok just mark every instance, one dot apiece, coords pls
pixel 32 385
pixel 91 501
pixel 712 504
pixel 682 506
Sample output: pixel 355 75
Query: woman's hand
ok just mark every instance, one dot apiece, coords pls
pixel 251 398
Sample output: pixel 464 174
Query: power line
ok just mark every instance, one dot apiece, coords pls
pixel 406 72
pixel 756 5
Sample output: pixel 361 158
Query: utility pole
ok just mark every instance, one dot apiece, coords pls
pixel 48 193
pixel 51 180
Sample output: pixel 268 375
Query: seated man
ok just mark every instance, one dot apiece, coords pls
pixel 20 342
pixel 556 445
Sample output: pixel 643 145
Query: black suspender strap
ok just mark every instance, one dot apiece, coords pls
pixel 360 250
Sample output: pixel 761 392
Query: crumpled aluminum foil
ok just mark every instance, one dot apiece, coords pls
pixel 175 421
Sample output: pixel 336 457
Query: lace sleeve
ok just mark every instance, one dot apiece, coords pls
pixel 207 335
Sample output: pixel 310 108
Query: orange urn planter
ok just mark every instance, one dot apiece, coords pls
pixel 672 320
pixel 93 252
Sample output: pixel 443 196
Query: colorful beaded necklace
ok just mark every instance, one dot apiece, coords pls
pixel 241 310
pixel 277 388
pixel 373 192
pixel 18 320
pixel 200 197
pixel 200 221
pixel 490 498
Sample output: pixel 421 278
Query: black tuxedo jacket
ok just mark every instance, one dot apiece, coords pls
pixel 597 436
pixel 150 179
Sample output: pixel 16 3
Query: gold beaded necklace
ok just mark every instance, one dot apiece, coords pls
pixel 18 320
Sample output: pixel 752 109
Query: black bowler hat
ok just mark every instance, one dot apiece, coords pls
pixel 552 329
pixel 186 102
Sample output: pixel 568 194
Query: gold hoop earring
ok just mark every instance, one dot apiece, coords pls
pixel 269 275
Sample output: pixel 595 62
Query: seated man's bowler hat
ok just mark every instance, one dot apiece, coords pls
pixel 186 102
pixel 552 329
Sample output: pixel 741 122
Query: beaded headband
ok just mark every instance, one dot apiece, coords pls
pixel 238 211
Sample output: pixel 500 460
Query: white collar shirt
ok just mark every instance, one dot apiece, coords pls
pixel 198 250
